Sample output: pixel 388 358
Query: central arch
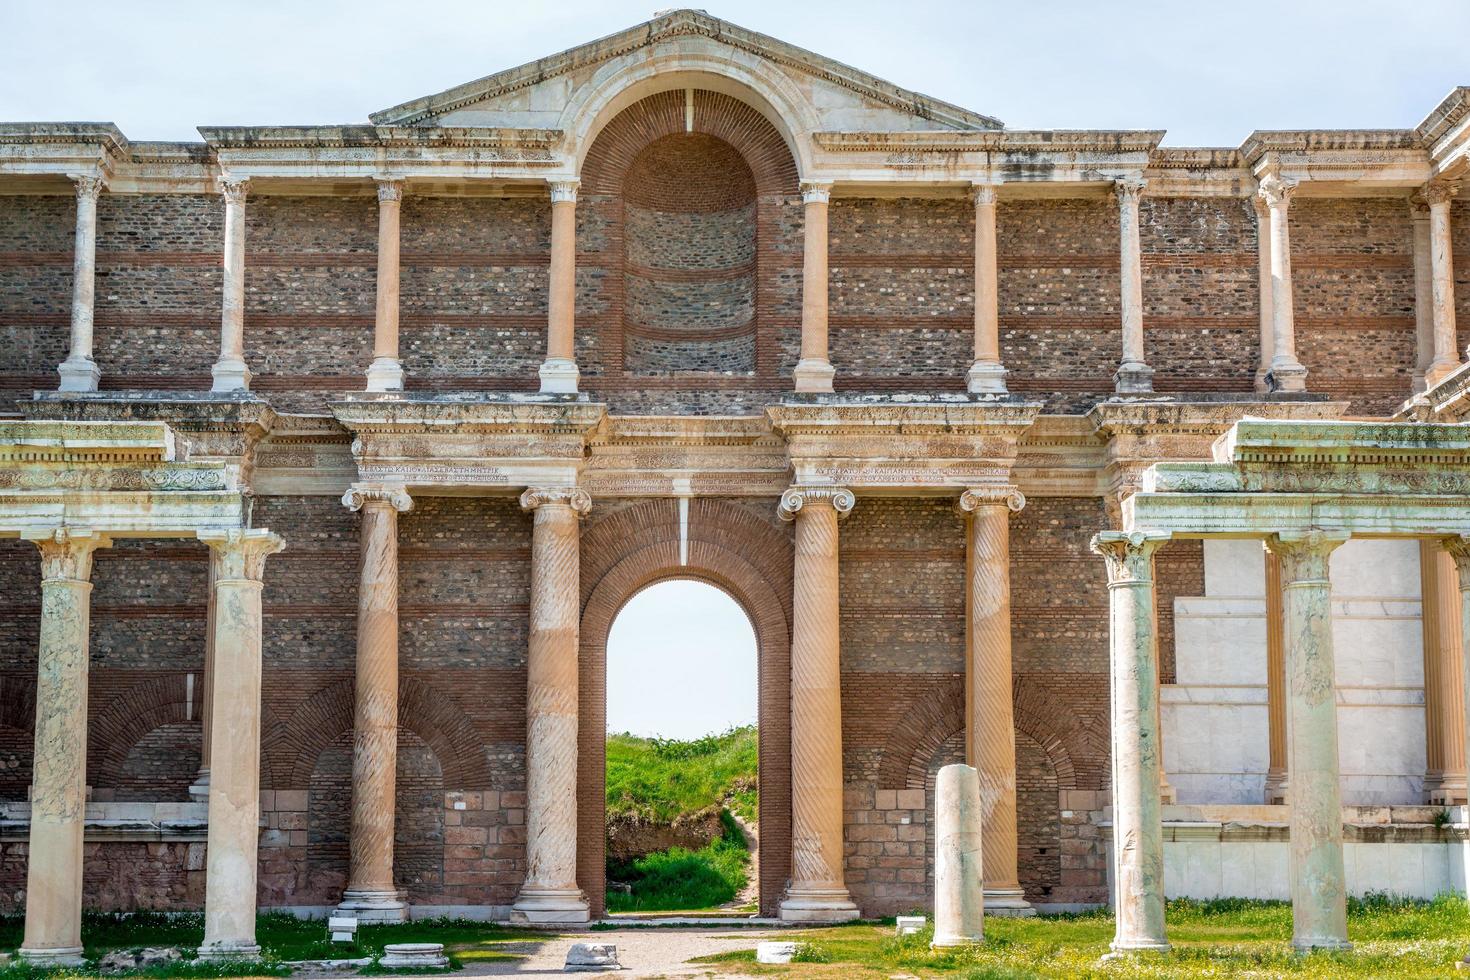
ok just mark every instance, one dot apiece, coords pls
pixel 737 547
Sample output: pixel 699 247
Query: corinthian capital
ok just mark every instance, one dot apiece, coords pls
pixel 240 553
pixel 1459 549
pixel 396 497
pixel 234 189
pixel 564 190
pixel 794 500
pixel 66 552
pixel 984 194
pixel 1276 190
pixel 1002 496
pixel 1129 189
pixel 1129 554
pixel 579 500
pixel 88 186
pixel 1438 192
pixel 1305 554
pixel 390 189
pixel 816 191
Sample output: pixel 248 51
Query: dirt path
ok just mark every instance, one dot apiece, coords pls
pixel 751 893
pixel 643 953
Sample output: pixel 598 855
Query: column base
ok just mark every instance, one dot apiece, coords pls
pixel 1287 377
pixel 1263 383
pixel 950 942
pixel 550 907
pixel 814 375
pixel 78 374
pixel 1168 795
pixel 1438 371
pixel 230 375
pixel 385 374
pixel 230 949
pixel 1134 378
pixel 986 378
pixel 1008 903
pixel 1276 785
pixel 818 905
pixel 1121 951
pixel 1330 944
pixel 59 956
pixel 559 376
pixel 1448 792
pixel 375 907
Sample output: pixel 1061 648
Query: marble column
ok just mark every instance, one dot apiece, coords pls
pixel 818 890
pixel 234 766
pixel 79 372
pixel 1134 376
pixel 371 894
pixel 1318 882
pixel 959 858
pixel 987 375
pixel 386 371
pixel 1442 282
pixel 1458 548
pixel 1138 832
pixel 1287 373
pixel 814 372
pixel 559 372
pixel 53 924
pixel 1423 291
pixel 230 372
pixel 1444 691
pixel 199 789
pixel 1277 778
pixel 550 893
pixel 1263 291
pixel 990 715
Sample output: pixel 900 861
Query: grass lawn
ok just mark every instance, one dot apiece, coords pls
pixel 683 879
pixel 1211 939
pixel 657 780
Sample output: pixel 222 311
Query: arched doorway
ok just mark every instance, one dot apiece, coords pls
pixel 739 548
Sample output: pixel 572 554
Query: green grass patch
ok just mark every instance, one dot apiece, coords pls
pixel 681 879
pixel 658 779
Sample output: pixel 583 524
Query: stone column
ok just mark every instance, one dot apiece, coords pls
pixel 1138 831
pixel 53 928
pixel 79 372
pixel 814 372
pixel 1318 883
pixel 1133 375
pixel 1442 277
pixel 1444 692
pixel 990 715
pixel 1287 373
pixel 199 789
pixel 959 829
pixel 386 371
pixel 550 893
pixel 1423 291
pixel 234 766
pixel 1276 772
pixel 987 375
pixel 818 891
pixel 1263 290
pixel 230 372
pixel 559 371
pixel 371 894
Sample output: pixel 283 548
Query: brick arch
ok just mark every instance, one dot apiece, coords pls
pixel 1034 715
pixel 130 716
pixel 930 720
pixel 750 559
pixel 17 735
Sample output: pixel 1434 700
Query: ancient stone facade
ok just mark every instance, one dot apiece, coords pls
pixel 685 301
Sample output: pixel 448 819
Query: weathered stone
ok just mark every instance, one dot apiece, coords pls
pixel 413 955
pixel 587 957
pixel 775 951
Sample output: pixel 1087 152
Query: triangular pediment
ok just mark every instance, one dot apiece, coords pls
pixel 843 97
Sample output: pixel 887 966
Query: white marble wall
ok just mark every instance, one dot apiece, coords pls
pixel 1214 716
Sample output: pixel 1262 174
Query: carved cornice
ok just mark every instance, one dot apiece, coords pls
pixel 579 500
pixel 1004 141
pixel 795 499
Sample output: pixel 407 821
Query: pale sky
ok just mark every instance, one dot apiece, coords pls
pixel 1208 72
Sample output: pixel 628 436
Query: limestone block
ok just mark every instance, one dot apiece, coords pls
pixel 414 955
pixel 587 957
pixel 908 925
pixel 774 952
pixel 342 928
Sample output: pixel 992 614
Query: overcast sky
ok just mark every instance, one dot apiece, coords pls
pixel 1208 72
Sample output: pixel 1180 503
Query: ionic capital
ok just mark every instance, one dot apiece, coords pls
pixel 1129 190
pixel 1129 554
pixel 1002 496
pixel 1459 550
pixel 1438 193
pixel 816 191
pixel 390 189
pixel 795 499
pixel 579 500
pixel 564 190
pixel 984 194
pixel 396 497
pixel 1276 191
pixel 240 553
pixel 1305 554
pixel 88 186
pixel 234 189
pixel 66 552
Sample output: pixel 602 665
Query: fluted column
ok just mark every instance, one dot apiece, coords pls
pixel 1287 373
pixel 818 890
pixel 1263 291
pixel 1444 692
pixel 550 893
pixel 814 372
pixel 234 765
pixel 371 893
pixel 230 372
pixel 1138 831
pixel 1318 882
pixel 1442 277
pixel 1423 291
pixel 559 371
pixel 1277 776
pixel 1134 376
pixel 990 713
pixel 79 372
pixel 987 375
pixel 53 928
pixel 386 371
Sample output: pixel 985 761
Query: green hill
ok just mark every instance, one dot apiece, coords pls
pixel 658 780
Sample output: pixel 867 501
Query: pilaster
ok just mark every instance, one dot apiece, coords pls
pixel 1134 376
pixel 559 372
pixel 814 372
pixel 79 372
pixel 230 372
pixel 386 371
